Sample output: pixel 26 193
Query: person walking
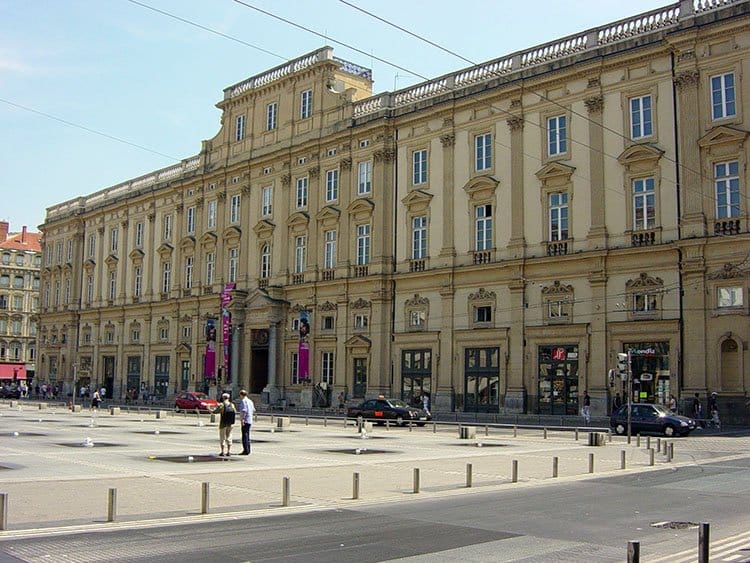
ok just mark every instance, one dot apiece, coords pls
pixel 227 415
pixel 616 402
pixel 672 403
pixel 96 400
pixel 698 410
pixel 247 410
pixel 713 408
pixel 586 410
pixel 426 403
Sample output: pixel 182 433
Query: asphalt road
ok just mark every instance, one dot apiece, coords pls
pixel 590 520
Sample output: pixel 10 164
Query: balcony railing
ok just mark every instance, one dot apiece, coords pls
pixel 263 283
pixel 361 271
pixel 417 265
pixel 207 290
pixel 298 279
pixel 557 248
pixel 645 238
pixel 482 256
pixel 329 274
pixel 727 227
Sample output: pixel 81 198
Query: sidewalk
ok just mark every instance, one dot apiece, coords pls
pixel 158 465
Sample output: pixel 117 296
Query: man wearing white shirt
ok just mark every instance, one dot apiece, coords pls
pixel 247 410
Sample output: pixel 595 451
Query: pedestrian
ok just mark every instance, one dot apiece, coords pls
pixel 247 410
pixel 713 408
pixel 342 401
pixel 586 410
pixel 426 403
pixel 698 410
pixel 96 400
pixel 103 392
pixel 227 415
pixel 616 402
pixel 672 404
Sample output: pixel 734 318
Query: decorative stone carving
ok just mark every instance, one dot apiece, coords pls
pixel 686 56
pixel 482 295
pixel 328 306
pixel 286 180
pixel 729 271
pixel 516 103
pixel 557 289
pixel 361 304
pixel 346 164
pixel 385 155
pixel 245 190
pixel 594 104
pixel 314 172
pixel 448 122
pixel 297 308
pixel 644 281
pixel 179 208
pixel 515 123
pixel 593 82
pixel 448 140
pixel 222 195
pixel 417 301
pixel 124 224
pixel 687 79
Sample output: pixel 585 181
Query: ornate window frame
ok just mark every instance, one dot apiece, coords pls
pixel 416 313
pixel 479 299
pixel 730 276
pixel 644 295
pixel 560 298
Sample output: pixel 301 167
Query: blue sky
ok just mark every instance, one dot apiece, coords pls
pixel 124 70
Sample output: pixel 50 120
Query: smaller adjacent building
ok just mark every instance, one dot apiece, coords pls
pixel 20 260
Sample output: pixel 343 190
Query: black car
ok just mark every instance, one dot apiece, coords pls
pixel 381 409
pixel 646 417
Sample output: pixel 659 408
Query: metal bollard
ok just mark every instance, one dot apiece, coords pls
pixel 514 472
pixel 306 423
pixel 703 542
pixel 204 497
pixel 486 430
pixel 638 441
pixel 112 505
pixel 658 445
pixel 410 425
pixel 345 422
pixel 609 436
pixel 651 456
pixel 285 492
pixel 591 463
pixel 468 475
pixel 325 422
pixel 622 459
pixel 576 434
pixel 555 463
pixel 545 433
pixel 648 442
pixel 416 480
pixel 669 449
pixel 434 427
pixel 355 486
pixel 4 511
pixel 634 552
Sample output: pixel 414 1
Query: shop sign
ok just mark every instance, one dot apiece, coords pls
pixel 573 356
pixel 559 354
pixel 647 377
pixel 643 351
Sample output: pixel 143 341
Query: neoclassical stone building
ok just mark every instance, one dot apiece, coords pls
pixel 492 237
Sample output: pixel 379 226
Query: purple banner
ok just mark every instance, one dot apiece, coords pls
pixel 304 346
pixel 209 362
pixel 226 327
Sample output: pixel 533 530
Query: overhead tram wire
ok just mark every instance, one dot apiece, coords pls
pixel 88 129
pixel 541 96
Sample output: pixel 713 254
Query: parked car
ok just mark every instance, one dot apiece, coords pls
pixel 646 417
pixel 381 409
pixel 10 392
pixel 191 400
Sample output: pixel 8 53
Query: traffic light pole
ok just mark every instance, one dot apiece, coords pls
pixel 630 394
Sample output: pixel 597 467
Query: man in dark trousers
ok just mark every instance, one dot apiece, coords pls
pixel 247 410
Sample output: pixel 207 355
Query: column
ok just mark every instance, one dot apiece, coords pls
pixel 597 234
pixel 598 369
pixel 442 397
pixel 515 394
pixel 150 273
pixel 517 242
pixel 122 264
pixel 344 235
pixel 271 393
pixel 314 259
pixel 382 219
pixel 100 269
pixel 693 220
pixel 448 251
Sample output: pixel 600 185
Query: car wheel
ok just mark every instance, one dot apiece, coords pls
pixel 620 429
pixel 400 420
pixel 669 430
pixel 421 424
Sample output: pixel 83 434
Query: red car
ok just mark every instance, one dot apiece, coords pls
pixel 191 400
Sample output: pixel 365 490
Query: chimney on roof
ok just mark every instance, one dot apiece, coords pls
pixel 4 230
pixel 23 234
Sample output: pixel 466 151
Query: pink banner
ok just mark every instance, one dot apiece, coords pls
pixel 226 327
pixel 209 362
pixel 304 346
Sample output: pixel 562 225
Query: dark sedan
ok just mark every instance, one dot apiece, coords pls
pixel 382 409
pixel 648 418
pixel 194 400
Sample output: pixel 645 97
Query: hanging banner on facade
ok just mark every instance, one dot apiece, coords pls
pixel 304 346
pixel 209 361
pixel 226 327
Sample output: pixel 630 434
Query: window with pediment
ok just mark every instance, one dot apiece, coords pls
pixel 482 306
pixel 730 285
pixel 162 329
pixel 642 179
pixel 557 300
pixel 644 296
pixel 557 201
pixel 416 310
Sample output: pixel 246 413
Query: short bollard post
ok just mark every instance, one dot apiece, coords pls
pixel 651 456
pixel 666 447
pixel 486 430
pixel 410 425
pixel 669 449
pixel 634 552
pixel 285 492
pixel 468 475
pixel 555 463
pixel 658 445
pixel 591 463
pixel 204 497
pixel 648 442
pixel 387 424
pixel 416 480
pixel 434 427
pixel 306 422
pixel 112 505
pixel 515 431
pixel 703 541
pixel 545 433
pixel 514 472
pixel 638 441
pixel 576 434
pixel 3 511
pixel 622 459
pixel 609 436
pixel 325 421
pixel 355 486
pixel 345 422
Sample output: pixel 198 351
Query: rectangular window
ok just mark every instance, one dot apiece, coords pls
pixel 239 128
pixel 722 96
pixel 483 152
pixel 326 367
pixel 210 264
pixel 3 301
pixel 364 185
pixel 419 237
pixel 233 259
pixel 327 323
pixel 294 366
pixel 166 277
pixel 139 234
pixel 59 247
pixel 211 214
pixel 301 192
pixel 92 246
pixel 727 184
pixel 265 261
pixel 729 297
pixel 305 109
pixel 558 216
pixel 90 289
pixel 557 131
pixel 113 236
pixel 18 282
pixel 112 286
pixel 483 314
pixel 419 167
pixel 18 300
pixel 329 256
pixel 640 117
pixel 300 253
pixel 417 319
pixel 190 220
pixel 361 322
pixel 272 116
pixel 57 293
pixel 332 185
pixel 363 245
pixel 644 302
pixel 234 209
pixel 137 281
pixel 188 272
pixel 267 201
pixel 644 211
pixel 68 254
pixel 483 227
pixel 66 298
pixel 19 257
pixel 167 224
pixel 135 335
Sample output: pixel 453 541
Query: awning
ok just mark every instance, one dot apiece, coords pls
pixel 8 371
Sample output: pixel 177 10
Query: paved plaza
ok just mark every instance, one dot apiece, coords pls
pixel 57 467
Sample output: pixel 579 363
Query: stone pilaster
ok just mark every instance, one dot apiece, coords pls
pixel 442 396
pixel 597 383
pixel 448 251
pixel 517 243
pixel 597 235
pixel 515 394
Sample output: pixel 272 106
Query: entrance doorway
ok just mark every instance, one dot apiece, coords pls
pixel 359 387
pixel 259 371
pixel 109 375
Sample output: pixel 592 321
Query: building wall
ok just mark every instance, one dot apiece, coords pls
pixel 534 315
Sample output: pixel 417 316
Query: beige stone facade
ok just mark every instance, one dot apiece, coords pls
pixel 493 237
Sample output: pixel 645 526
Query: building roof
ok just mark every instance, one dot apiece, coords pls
pixel 24 240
